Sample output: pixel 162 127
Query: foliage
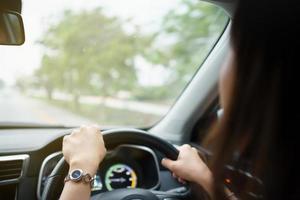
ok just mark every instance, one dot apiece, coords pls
pixel 108 116
pixel 191 29
pixel 88 53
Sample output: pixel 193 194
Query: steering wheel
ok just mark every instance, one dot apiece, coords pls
pixel 112 139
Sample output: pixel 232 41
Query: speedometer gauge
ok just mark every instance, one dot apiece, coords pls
pixel 120 176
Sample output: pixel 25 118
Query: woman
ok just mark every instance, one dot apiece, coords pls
pixel 252 126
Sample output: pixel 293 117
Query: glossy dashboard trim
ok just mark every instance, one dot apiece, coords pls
pixel 147 149
pixel 45 161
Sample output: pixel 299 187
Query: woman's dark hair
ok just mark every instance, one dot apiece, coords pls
pixel 257 125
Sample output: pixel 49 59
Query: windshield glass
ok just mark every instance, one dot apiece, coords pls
pixel 113 62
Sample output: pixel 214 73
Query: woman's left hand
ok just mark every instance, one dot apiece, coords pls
pixel 84 149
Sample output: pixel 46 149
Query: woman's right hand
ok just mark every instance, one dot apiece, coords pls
pixel 190 167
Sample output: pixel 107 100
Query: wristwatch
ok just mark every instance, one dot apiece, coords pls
pixel 77 175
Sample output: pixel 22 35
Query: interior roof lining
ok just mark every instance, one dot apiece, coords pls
pixel 227 5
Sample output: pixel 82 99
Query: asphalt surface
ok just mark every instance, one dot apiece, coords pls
pixel 15 108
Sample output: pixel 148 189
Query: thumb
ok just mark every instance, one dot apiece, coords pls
pixel 167 163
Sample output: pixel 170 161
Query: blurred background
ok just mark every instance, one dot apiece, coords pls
pixel 115 63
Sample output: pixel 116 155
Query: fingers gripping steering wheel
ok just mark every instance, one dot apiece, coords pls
pixel 112 139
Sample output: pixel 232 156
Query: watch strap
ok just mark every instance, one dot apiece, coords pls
pixel 86 178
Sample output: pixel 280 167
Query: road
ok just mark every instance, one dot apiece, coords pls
pixel 15 107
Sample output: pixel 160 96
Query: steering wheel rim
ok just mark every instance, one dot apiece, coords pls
pixel 112 139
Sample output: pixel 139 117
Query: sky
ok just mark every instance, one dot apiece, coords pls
pixel 16 61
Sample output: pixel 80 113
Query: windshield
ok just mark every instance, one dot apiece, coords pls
pixel 114 63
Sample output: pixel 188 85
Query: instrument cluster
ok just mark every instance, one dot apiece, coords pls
pixel 127 166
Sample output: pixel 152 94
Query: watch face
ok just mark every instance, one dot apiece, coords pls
pixel 76 174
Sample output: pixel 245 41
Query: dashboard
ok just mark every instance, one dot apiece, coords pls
pixel 127 166
pixel 124 166
pixel 28 156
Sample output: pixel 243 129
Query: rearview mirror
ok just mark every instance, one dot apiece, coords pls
pixel 11 28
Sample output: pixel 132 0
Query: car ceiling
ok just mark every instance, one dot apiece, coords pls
pixel 227 5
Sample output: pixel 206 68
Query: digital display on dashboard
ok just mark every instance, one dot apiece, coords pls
pixel 120 176
pixel 117 176
pixel 127 167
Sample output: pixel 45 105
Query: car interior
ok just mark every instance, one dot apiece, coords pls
pixel 31 161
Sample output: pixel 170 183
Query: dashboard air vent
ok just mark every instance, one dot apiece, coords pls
pixel 11 167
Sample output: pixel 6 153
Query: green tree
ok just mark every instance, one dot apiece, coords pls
pixel 88 53
pixel 191 30
pixel 46 76
pixel 24 83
